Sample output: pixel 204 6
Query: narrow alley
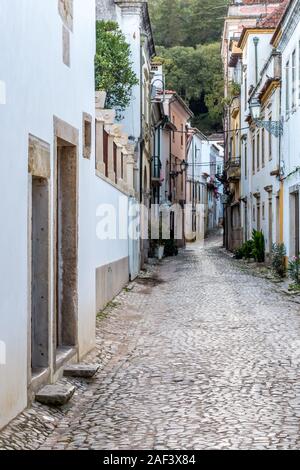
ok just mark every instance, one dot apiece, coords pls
pixel 182 367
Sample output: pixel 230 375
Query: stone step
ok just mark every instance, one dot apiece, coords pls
pixel 55 395
pixel 85 371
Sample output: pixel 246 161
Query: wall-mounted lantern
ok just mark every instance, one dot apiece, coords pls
pixel 155 89
pixel 274 127
pixel 183 168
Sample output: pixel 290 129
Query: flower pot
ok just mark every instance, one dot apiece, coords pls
pixel 100 99
pixel 160 252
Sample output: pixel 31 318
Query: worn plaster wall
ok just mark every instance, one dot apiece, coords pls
pixel 106 10
pixel 38 86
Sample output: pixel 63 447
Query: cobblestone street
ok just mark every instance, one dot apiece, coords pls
pixel 196 354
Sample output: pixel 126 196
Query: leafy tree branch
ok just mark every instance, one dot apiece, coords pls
pixel 113 66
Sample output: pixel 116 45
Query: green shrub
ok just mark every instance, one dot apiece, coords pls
pixel 239 253
pixel 294 269
pixel 245 251
pixel 254 248
pixel 248 249
pixel 170 247
pixel 258 251
pixel 278 259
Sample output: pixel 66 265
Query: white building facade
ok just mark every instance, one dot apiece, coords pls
pixel 289 47
pixel 133 19
pixel 47 193
pixel 259 147
pixel 204 190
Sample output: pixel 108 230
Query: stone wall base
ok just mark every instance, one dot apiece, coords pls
pixel 110 280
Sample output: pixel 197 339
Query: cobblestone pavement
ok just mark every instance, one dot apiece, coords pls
pixel 196 354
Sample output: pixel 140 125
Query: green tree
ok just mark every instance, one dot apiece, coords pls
pixel 196 74
pixel 113 66
pixel 187 22
pixel 188 32
pixel 213 85
pixel 206 21
pixel 167 20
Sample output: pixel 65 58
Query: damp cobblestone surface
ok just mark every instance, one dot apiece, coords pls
pixel 195 354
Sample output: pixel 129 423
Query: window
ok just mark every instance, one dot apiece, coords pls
pixel 182 136
pixel 287 88
pixel 263 148
pixel 299 67
pixel 270 140
pixel 246 94
pixel 175 126
pixel 65 9
pixel 258 218
pixel 167 172
pixel 105 151
pixel 258 150
pixel 145 106
pixel 87 135
pixel 66 46
pixel 253 155
pixel 231 148
pixel 246 161
pixel 122 165
pixel 263 211
pixel 253 215
pixel 115 161
pixel 294 79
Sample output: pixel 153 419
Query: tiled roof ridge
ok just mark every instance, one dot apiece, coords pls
pixel 272 20
pixel 259 2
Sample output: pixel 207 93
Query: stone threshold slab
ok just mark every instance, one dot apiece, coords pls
pixel 86 371
pixel 55 395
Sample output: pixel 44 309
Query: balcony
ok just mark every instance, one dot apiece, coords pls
pixel 156 168
pixel 233 168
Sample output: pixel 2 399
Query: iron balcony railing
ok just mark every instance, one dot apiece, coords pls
pixel 233 163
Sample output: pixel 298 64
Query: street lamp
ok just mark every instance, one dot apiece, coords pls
pixel 274 127
pixel 255 108
pixel 183 166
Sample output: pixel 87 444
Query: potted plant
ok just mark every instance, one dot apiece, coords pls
pixel 160 249
pixel 278 259
pixel 294 270
pixel 114 75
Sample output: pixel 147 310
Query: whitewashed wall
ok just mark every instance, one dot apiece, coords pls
pixel 130 25
pixel 290 155
pixel 257 182
pixel 111 206
pixel 39 86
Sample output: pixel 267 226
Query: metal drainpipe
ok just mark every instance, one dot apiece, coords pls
pixel 170 156
pixel 256 41
pixel 152 165
pixel 193 202
pixel 159 160
pixel 281 238
pixel 141 119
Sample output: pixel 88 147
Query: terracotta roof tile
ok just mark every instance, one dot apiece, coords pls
pixel 258 2
pixel 272 20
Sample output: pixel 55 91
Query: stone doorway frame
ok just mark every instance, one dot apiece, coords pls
pixel 66 136
pixel 39 168
pixel 294 213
